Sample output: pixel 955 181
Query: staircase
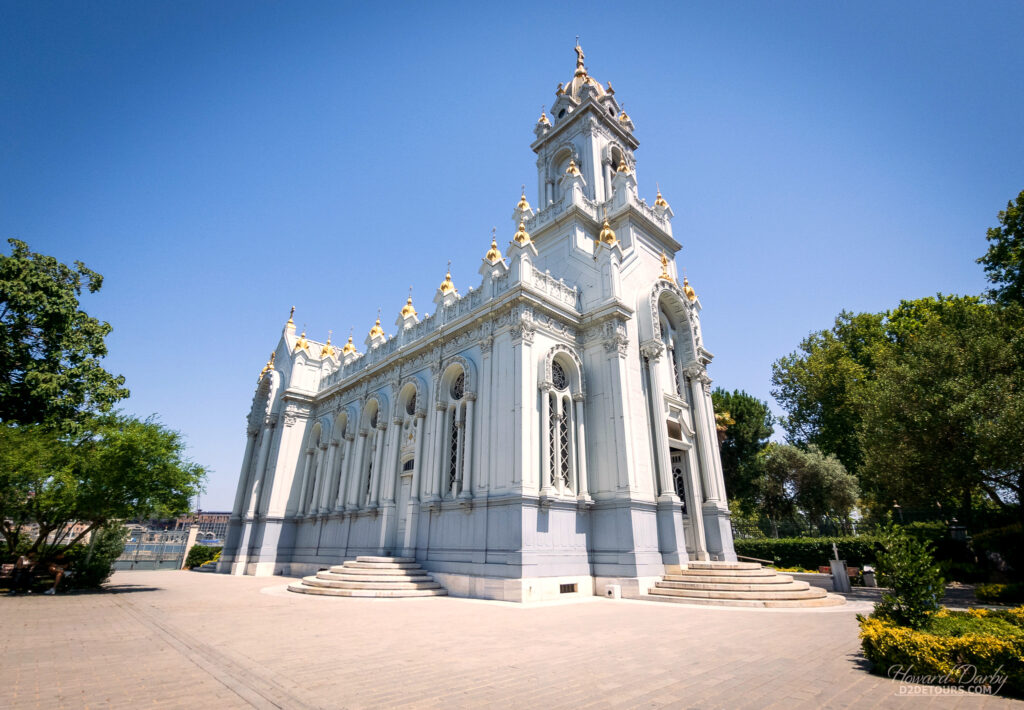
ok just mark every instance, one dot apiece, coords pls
pixel 210 566
pixel 745 584
pixel 380 577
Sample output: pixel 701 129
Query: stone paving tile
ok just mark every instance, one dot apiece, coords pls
pixel 188 640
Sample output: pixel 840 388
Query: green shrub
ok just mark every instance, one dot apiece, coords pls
pixel 89 568
pixel 810 552
pixel 953 646
pixel 1006 542
pixel 201 554
pixel 906 566
pixel 1009 593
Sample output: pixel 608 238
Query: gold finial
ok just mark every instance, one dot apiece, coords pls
pixel 623 168
pixel 328 349
pixel 268 367
pixel 560 91
pixel 349 347
pixel 523 204
pixel 376 331
pixel 521 236
pixel 493 255
pixel 290 325
pixel 407 309
pixel 572 169
pixel 659 200
pixel 302 343
pixel 447 286
pixel 623 117
pixel 607 235
pixel 580 69
pixel 691 295
pixel 610 90
pixel 665 275
pixel 543 120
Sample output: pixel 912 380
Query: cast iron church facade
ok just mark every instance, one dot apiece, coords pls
pixel 551 427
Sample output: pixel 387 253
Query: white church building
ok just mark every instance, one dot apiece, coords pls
pixel 548 429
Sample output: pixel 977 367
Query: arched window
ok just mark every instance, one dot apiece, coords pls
pixel 668 337
pixel 455 454
pixel 564 465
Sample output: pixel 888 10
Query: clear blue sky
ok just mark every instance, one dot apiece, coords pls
pixel 220 162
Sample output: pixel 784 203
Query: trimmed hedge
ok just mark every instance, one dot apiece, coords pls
pixel 811 552
pixel 201 554
pixel 970 644
pixel 1011 593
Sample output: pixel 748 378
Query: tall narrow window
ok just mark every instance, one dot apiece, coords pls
pixel 453 452
pixel 564 453
pixel 560 434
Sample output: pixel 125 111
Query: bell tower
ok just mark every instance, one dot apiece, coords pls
pixel 585 142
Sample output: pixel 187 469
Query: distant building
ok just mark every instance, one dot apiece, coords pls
pixel 213 525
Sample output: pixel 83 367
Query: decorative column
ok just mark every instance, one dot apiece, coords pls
pixel 583 492
pixel 343 469
pixel 246 473
pixel 440 432
pixel 700 425
pixel 387 494
pixel 329 485
pixel 301 508
pixel 378 463
pixel 694 503
pixel 460 426
pixel 653 350
pixel 318 481
pixel 414 488
pixel 545 441
pixel 261 463
pixel 355 472
pixel 467 458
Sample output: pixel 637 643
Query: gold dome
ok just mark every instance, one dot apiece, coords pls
pixel 607 235
pixel 688 290
pixel 302 343
pixel 376 331
pixel 268 367
pixel 623 117
pixel 447 286
pixel 523 204
pixel 659 201
pixel 572 169
pixel 493 255
pixel 623 168
pixel 407 309
pixel 521 236
pixel 543 120
pixel 349 347
pixel 581 78
pixel 290 325
pixel 327 350
pixel 665 275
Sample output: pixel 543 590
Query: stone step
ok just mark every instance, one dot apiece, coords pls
pixel 810 593
pixel 341 584
pixel 372 593
pixel 718 587
pixel 827 600
pixel 729 579
pixel 380 565
pixel 724 565
pixel 346 577
pixel 371 558
pixel 397 571
pixel 712 572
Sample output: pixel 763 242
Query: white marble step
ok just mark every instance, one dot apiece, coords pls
pixel 371 558
pixel 784 586
pixel 714 572
pixel 381 565
pixel 395 578
pixel 729 579
pixel 373 593
pixel 810 593
pixel 725 565
pixel 398 571
pixel 340 584
pixel 827 600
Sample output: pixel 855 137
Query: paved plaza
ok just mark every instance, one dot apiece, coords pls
pixel 185 639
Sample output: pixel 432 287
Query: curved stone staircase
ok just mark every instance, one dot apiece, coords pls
pixel 745 584
pixel 381 577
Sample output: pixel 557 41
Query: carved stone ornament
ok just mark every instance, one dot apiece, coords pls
pixel 652 350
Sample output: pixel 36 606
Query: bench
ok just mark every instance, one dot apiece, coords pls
pixel 850 571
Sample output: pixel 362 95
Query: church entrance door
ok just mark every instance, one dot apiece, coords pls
pixel 679 479
pixel 402 504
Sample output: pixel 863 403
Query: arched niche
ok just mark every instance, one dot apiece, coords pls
pixel 571 365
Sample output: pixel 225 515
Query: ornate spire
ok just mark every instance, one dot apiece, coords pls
pixel 268 367
pixel 302 343
pixel 659 200
pixel 290 325
pixel 328 349
pixel 493 255
pixel 691 295
pixel 580 69
pixel 523 204
pixel 407 309
pixel 623 168
pixel 521 236
pixel 607 235
pixel 543 120
pixel 349 347
pixel 665 275
pixel 572 169
pixel 376 331
pixel 447 286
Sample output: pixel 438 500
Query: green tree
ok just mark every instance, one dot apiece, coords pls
pixel 820 385
pixel 50 350
pixel 118 469
pixel 776 487
pixel 915 584
pixel 742 441
pixel 943 415
pixel 1004 260
pixel 825 491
